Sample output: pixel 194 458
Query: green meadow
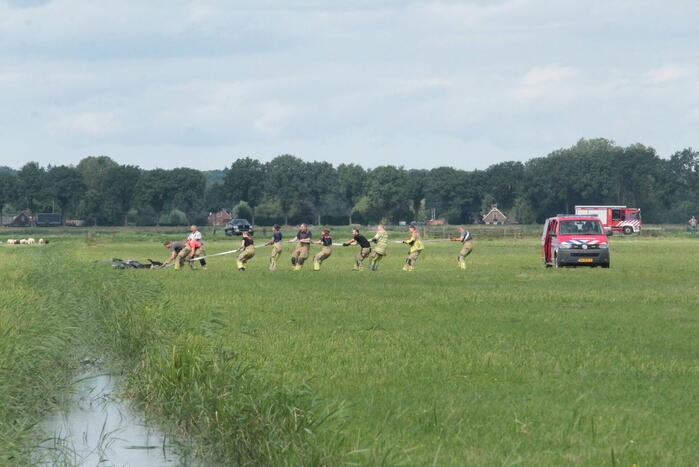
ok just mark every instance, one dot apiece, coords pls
pixel 505 363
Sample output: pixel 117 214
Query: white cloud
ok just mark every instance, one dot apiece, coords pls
pixel 89 124
pixel 362 80
pixel 667 73
pixel 201 12
pixel 547 81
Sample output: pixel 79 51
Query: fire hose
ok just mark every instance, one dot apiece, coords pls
pixel 222 253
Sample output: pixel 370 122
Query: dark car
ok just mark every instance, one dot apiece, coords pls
pixel 237 227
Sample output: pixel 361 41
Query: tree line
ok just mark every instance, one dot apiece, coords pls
pixel 290 190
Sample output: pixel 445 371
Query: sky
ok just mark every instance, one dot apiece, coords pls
pixel 422 84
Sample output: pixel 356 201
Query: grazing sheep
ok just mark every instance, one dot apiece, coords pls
pixel 11 241
pixel 31 241
pixel 24 241
pixel 41 241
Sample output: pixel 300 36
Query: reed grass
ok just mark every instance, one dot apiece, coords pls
pixel 505 363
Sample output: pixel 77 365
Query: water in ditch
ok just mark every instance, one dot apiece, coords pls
pixel 99 428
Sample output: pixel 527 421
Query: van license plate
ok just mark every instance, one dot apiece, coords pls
pixel 585 260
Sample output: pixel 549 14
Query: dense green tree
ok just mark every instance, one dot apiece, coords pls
pixel 120 189
pixel 32 186
pixel 94 169
pixel 214 177
pixel 684 168
pixel 67 187
pixel 504 182
pixel 351 184
pixel 154 189
pixel 91 208
pixel 286 183
pixel 188 197
pixel 242 210
pixel 216 198
pixel 322 183
pixel 522 211
pixel 8 189
pixel 245 181
pixel 417 182
pixel 594 171
pixel 388 195
pixel 678 185
pixel 270 212
pixel 445 185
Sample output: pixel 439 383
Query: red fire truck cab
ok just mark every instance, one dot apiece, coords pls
pixel 570 240
pixel 616 218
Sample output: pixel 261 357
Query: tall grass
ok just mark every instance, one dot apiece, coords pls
pixel 55 311
pixel 199 387
pixel 504 363
pixel 40 346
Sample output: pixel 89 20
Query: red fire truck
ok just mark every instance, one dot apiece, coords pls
pixel 616 218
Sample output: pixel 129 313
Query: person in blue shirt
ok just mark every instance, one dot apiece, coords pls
pixel 276 243
pixel 327 241
pixel 303 247
pixel 248 247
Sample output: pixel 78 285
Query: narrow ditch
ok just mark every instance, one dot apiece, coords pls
pixel 99 427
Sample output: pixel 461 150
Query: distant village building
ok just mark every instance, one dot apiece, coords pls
pixel 436 222
pixel 494 216
pixel 23 219
pixel 219 217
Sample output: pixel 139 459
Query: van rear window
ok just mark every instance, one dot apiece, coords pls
pixel 580 227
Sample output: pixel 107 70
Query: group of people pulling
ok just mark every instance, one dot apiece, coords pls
pixel 193 247
pixel 304 239
pixel 375 254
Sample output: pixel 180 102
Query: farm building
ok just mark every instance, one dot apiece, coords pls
pixel 48 219
pixel 219 217
pixel 23 219
pixel 494 216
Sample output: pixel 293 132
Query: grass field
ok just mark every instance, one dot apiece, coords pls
pixel 505 363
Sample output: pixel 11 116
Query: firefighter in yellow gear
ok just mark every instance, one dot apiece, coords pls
pixel 276 243
pixel 466 246
pixel 379 251
pixel 248 247
pixel 416 247
pixel 303 247
pixel 178 252
pixel 327 241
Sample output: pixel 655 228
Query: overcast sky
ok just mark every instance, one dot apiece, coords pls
pixel 168 83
